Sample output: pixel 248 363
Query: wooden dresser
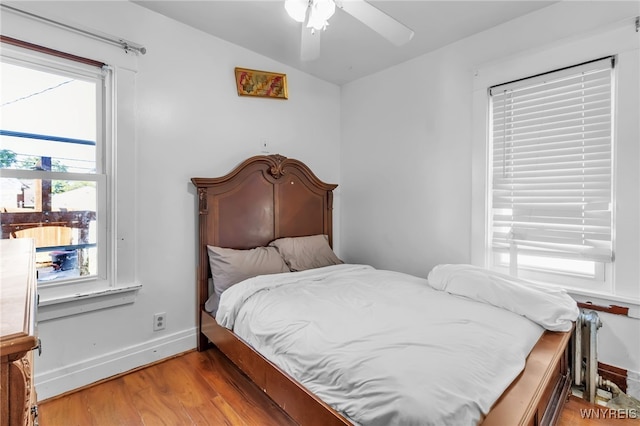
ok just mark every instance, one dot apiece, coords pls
pixel 18 338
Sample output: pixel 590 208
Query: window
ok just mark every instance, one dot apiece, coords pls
pixel 550 172
pixel 58 174
pixel 54 181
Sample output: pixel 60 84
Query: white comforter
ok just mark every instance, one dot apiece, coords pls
pixel 382 347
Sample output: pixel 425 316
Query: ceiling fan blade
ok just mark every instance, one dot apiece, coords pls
pixel 309 44
pixel 377 20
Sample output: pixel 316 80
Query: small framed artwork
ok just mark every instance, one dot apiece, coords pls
pixel 261 83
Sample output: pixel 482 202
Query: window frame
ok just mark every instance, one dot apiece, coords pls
pixel 601 279
pixel 116 283
pixel 617 40
pixel 102 78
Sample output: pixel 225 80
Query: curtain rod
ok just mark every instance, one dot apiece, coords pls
pixel 128 46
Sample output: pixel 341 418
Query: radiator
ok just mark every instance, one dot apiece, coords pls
pixel 585 353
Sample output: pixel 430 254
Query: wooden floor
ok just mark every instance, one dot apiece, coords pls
pixel 196 388
pixel 576 410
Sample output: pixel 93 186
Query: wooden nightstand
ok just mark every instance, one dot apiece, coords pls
pixel 18 336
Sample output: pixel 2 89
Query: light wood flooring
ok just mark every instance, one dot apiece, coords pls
pixel 196 388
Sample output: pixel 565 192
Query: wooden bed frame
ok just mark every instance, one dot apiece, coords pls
pixel 271 196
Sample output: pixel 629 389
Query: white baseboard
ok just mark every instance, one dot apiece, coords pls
pixel 55 382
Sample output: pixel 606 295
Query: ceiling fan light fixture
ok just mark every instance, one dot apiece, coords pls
pixel 319 14
pixel 297 9
pixel 315 14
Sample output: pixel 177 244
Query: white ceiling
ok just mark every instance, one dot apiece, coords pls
pixel 349 49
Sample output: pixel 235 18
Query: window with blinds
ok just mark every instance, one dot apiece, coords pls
pixel 550 205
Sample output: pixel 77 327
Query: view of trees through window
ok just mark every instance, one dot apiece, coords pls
pixel 49 165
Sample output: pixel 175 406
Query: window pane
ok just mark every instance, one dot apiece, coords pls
pixel 66 264
pixel 584 268
pixel 49 123
pixel 26 152
pixel 61 105
pixel 64 232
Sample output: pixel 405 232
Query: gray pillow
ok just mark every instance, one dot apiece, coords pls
pixel 229 266
pixel 301 253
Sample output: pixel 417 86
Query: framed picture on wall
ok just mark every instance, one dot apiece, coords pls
pixel 261 83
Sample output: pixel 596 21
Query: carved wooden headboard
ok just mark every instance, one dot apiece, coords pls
pixel 264 198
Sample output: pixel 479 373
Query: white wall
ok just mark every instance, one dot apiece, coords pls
pixel 406 165
pixel 410 168
pixel 189 121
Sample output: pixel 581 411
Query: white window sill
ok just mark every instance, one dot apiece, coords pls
pixel 64 305
pixel 588 295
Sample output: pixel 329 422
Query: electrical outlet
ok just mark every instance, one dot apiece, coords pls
pixel 159 321
pixel 264 145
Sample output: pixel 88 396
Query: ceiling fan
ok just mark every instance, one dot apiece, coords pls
pixel 314 15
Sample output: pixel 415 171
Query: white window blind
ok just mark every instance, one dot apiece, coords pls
pixel 551 138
